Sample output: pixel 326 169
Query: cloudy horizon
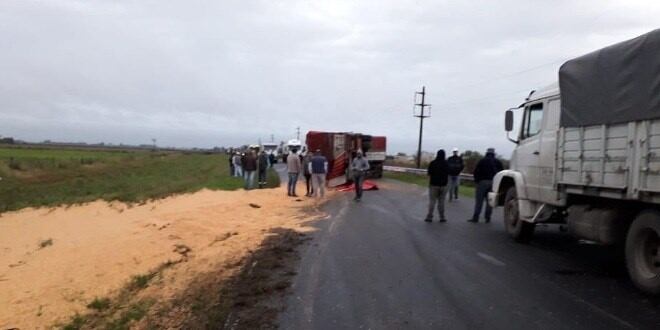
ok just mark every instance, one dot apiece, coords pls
pixel 204 73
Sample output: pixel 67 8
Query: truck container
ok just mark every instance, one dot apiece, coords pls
pixel 341 147
pixel 588 156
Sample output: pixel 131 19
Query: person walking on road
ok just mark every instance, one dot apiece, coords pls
pixel 272 159
pixel 237 164
pixel 319 169
pixel 438 172
pixel 263 165
pixel 250 169
pixel 359 167
pixel 306 161
pixel 456 166
pixel 293 168
pixel 486 169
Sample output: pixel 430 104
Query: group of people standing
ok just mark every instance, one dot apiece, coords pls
pixel 250 164
pixel 444 176
pixel 313 167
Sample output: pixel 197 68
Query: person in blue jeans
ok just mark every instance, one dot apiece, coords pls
pixel 483 178
pixel 455 166
pixel 318 166
pixel 249 169
pixel 294 167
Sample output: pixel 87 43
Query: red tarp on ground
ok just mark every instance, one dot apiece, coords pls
pixel 366 185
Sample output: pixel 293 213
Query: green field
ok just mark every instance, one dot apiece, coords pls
pixel 49 177
pixel 466 189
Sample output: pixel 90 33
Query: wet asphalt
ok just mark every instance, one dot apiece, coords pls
pixel 377 265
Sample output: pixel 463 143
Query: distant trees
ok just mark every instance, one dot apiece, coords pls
pixel 471 158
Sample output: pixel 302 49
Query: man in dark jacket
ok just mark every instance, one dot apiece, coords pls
pixel 306 160
pixel 486 169
pixel 249 169
pixel 438 171
pixel 455 163
pixel 319 168
pixel 262 165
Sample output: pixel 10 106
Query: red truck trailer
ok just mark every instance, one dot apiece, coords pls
pixel 340 148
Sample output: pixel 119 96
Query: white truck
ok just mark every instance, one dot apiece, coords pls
pixel 588 156
pixel 270 148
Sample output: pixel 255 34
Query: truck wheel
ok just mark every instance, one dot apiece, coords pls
pixel 520 230
pixel 643 252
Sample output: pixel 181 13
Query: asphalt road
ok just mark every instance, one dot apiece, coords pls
pixel 377 265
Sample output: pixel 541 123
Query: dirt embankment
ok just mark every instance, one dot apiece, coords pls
pixel 151 262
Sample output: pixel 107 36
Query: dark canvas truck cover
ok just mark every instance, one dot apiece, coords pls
pixel 616 84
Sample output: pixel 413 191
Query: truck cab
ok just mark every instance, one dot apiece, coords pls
pixel 531 177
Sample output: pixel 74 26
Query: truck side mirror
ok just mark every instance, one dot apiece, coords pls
pixel 508 121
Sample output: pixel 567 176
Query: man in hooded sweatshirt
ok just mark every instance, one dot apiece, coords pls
pixel 486 169
pixel 438 173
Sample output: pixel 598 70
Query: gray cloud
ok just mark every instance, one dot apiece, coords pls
pixel 205 73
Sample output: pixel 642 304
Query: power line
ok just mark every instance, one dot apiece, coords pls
pixel 587 23
pixel 513 74
pixel 486 98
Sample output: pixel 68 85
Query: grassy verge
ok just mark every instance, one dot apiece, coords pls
pixel 50 177
pixel 466 188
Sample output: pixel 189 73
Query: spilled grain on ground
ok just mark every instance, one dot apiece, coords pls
pixel 150 253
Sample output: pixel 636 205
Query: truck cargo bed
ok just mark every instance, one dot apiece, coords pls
pixel 616 161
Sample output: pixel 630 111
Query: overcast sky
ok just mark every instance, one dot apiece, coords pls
pixel 220 73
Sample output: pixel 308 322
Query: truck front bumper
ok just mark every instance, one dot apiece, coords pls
pixel 492 199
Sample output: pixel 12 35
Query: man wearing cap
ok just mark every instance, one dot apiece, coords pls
pixel 486 169
pixel 294 168
pixel 455 167
pixel 318 166
pixel 438 173
pixel 250 168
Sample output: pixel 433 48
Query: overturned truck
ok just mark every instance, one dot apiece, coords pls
pixel 588 156
pixel 340 148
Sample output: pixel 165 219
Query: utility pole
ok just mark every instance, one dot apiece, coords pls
pixel 421 117
pixel 272 138
pixel 298 133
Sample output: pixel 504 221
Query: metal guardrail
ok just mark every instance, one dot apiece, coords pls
pixel 419 171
